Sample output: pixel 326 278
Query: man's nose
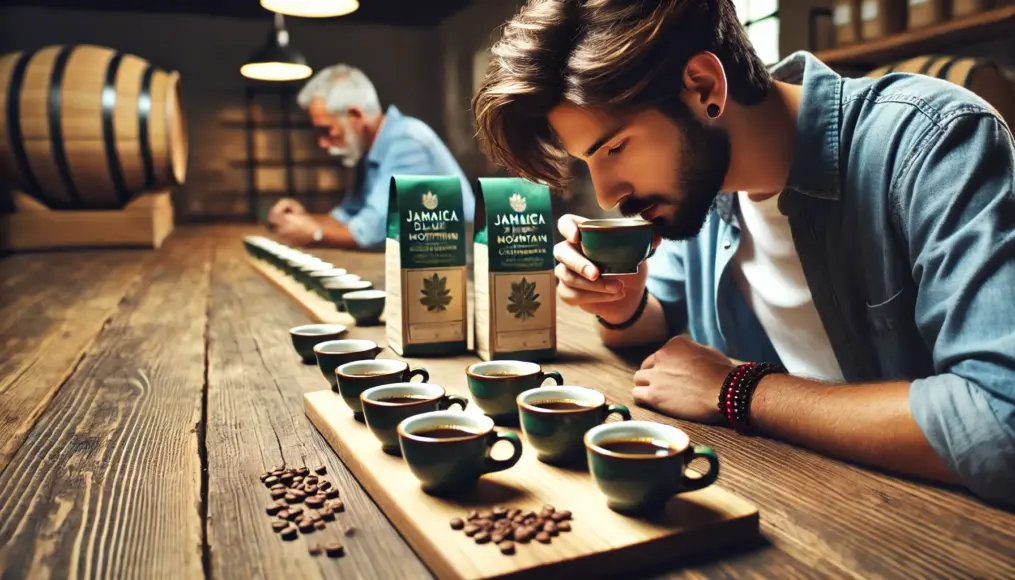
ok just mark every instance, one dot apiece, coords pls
pixel 609 190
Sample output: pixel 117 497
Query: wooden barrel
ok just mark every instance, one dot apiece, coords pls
pixel 980 76
pixel 87 127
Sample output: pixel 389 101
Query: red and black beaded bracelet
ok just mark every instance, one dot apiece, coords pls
pixel 738 390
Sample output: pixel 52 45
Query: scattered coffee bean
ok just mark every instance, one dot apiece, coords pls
pixel 518 519
pixel 471 530
pixel 327 513
pixel 561 516
pixel 298 492
pixel 315 501
pixel 283 514
pixel 315 516
pixel 277 486
pixel 306 526
pixel 281 503
pixel 334 550
pixel 482 537
pixel 296 512
pixel 473 515
pixel 278 493
pixel 270 481
pixel 484 523
pixel 320 525
pixel 297 481
pixel 331 493
pixel 289 533
pixel 324 485
pixel 272 509
pixel 302 472
pixel 278 469
pixel 546 514
pixel 315 550
pixel 289 498
pixel 337 505
pixel 264 476
pixel 485 515
pixel 279 525
pixel 497 537
pixel 506 547
pixel 549 508
pixel 310 480
pixel 513 512
pixel 543 538
pixel 550 528
pixel 321 470
pixel 286 478
pixel 457 524
pixel 499 512
pixel 564 527
pixel 523 534
pixel 350 531
pixel 310 489
pixel 529 515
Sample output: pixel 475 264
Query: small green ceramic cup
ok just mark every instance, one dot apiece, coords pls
pixel 555 418
pixel 356 377
pixel 335 353
pixel 450 465
pixel 642 482
pixel 307 270
pixel 318 277
pixel 616 246
pixel 307 336
pixel 337 289
pixel 366 306
pixel 495 386
pixel 386 406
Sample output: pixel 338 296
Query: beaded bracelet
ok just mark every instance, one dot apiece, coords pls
pixel 738 390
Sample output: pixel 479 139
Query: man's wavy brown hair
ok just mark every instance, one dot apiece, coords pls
pixel 618 55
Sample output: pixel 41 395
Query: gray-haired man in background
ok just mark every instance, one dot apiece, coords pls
pixel 343 105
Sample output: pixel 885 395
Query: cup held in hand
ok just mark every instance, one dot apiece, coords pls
pixel 616 246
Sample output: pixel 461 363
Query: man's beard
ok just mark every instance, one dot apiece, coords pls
pixel 353 150
pixel 705 158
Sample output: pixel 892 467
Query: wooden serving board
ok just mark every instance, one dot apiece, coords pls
pixel 601 542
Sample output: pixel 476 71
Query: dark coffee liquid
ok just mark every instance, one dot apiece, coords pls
pixel 372 373
pixel 445 433
pixel 561 405
pixel 402 399
pixel 500 374
pixel 647 447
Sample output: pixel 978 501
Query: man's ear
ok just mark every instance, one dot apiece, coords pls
pixel 356 117
pixel 705 83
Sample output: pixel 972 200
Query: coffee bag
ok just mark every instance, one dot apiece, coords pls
pixel 425 266
pixel 516 292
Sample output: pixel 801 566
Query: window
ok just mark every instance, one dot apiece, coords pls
pixel 761 20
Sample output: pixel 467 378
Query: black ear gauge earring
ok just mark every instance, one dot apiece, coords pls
pixel 713 111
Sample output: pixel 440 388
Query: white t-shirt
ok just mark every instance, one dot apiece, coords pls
pixel 768 271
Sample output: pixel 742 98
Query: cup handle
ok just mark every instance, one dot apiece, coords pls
pixel 448 400
pixel 624 412
pixel 378 350
pixel 709 477
pixel 551 375
pixel 420 372
pixel 490 464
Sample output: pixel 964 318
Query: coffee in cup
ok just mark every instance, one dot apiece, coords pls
pixel 386 406
pixel 616 246
pixel 495 386
pixel 332 354
pixel 555 418
pixel 355 377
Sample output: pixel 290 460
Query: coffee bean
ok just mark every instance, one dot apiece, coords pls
pixel 334 550
pixel 306 526
pixel 280 468
pixel 315 516
pixel 513 512
pixel 499 512
pixel 270 481
pixel 497 537
pixel 315 550
pixel 283 514
pixel 297 481
pixel 302 472
pixel 327 513
pixel 289 498
pixel 298 493
pixel 457 523
pixel 310 489
pixel 337 505
pixel 523 534
pixel 324 485
pixel 471 530
pixel 350 531
pixel 310 480
pixel 272 509
pixel 296 511
pixel 550 528
pixel 530 515
pixel 314 502
pixel 484 523
pixel 543 538
pixel 264 476
pixel 545 514
pixel 506 547
pixel 482 537
pixel 485 515
pixel 321 470
pixel 518 519
pixel 277 486
pixel 319 525
pixel 286 478
pixel 549 508
pixel 281 503
pixel 289 533
pixel 473 515
pixel 279 525
pixel 278 493
pixel 564 527
pixel 331 493
pixel 561 516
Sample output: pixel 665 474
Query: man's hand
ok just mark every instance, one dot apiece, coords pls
pixel 682 379
pixel 282 207
pixel 297 229
pixel 614 298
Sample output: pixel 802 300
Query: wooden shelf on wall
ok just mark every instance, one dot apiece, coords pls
pixel 292 125
pixel 977 27
pixel 323 162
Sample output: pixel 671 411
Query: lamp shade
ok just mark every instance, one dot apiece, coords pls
pixel 276 60
pixel 312 8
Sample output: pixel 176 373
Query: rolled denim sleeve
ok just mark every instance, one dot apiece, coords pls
pixel 956 205
pixel 405 157
pixel 666 281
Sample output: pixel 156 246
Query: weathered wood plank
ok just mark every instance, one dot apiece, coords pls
pixel 107 482
pixel 52 306
pixel 255 423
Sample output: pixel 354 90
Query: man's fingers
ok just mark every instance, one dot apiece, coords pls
pixel 603 285
pixel 567 254
pixel 649 362
pixel 642 377
pixel 641 395
pixel 568 226
pixel 575 297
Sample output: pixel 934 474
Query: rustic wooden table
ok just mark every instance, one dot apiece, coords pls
pixel 142 392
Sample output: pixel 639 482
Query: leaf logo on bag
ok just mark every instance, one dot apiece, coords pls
pixel 435 294
pixel 523 301
pixel 517 203
pixel 430 200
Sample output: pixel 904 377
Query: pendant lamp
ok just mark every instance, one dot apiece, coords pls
pixel 277 61
pixel 312 8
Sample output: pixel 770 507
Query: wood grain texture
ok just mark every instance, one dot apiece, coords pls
pixel 602 543
pixel 255 423
pixel 107 482
pixel 52 307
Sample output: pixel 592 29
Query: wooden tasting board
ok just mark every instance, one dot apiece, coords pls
pixel 602 542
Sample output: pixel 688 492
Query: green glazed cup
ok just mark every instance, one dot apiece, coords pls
pixel 356 377
pixel 366 306
pixel 495 386
pixel 306 270
pixel 318 277
pixel 447 466
pixel 383 412
pixel 555 433
pixel 337 289
pixel 643 483
pixel 335 353
pixel 307 336
pixel 616 246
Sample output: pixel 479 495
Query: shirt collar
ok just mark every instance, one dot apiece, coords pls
pixel 385 136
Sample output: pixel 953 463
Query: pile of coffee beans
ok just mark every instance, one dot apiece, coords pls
pixel 504 527
pixel 320 501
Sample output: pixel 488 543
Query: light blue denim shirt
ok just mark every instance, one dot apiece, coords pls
pixel 902 208
pixel 404 145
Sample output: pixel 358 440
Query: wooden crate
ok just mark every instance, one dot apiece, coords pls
pixel 143 223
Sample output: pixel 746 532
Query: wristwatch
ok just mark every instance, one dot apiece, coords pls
pixel 318 234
